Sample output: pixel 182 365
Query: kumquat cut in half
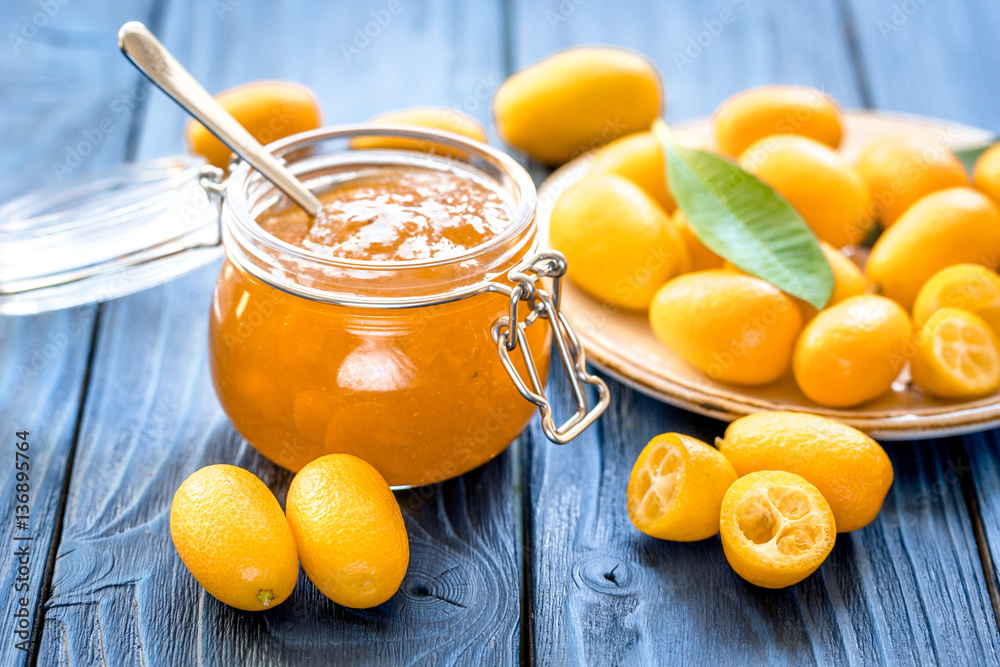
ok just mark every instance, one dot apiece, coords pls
pixel 777 528
pixel 957 356
pixel 676 488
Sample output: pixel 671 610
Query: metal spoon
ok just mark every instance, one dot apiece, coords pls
pixel 152 58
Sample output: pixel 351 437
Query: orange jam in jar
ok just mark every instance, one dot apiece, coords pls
pixel 396 215
pixel 370 329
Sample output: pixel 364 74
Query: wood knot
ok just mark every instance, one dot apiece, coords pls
pixel 603 573
pixel 443 584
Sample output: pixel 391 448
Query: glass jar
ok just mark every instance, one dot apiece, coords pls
pixel 424 368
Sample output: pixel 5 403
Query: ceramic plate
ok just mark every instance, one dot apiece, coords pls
pixel 622 344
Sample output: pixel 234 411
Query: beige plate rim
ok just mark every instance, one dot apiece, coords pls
pixel 632 356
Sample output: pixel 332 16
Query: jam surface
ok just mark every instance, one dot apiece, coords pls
pixel 396 215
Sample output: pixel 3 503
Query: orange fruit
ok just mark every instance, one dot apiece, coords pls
pixel 639 158
pixel 676 488
pixel 957 356
pixel 761 112
pixel 953 226
pixel 619 244
pixel 436 118
pixel 900 169
pixel 230 533
pixel 576 100
pixel 700 257
pixel 826 191
pixel 986 172
pixel 851 470
pixel 349 530
pixel 851 352
pixel 970 287
pixel 776 527
pixel 731 326
pixel 269 110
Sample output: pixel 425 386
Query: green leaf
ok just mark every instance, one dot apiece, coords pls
pixel 970 154
pixel 744 221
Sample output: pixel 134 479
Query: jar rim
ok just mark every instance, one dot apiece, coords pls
pixel 242 176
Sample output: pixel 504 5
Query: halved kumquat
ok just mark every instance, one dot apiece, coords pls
pixel 957 356
pixel 777 528
pixel 676 488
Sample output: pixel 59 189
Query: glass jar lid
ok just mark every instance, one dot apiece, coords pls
pixel 105 235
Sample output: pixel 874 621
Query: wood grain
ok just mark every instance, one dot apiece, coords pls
pixel 62 114
pixel 120 595
pixel 907 589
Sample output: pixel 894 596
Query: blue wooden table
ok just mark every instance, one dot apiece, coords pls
pixel 532 557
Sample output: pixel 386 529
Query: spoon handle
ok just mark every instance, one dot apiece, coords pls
pixel 153 59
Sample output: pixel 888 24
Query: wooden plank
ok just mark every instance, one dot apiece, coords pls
pixel 906 589
pixel 949 69
pixel 41 378
pixel 64 112
pixel 975 467
pixel 120 594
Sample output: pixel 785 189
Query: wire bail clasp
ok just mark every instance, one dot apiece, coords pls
pixel 212 180
pixel 509 334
